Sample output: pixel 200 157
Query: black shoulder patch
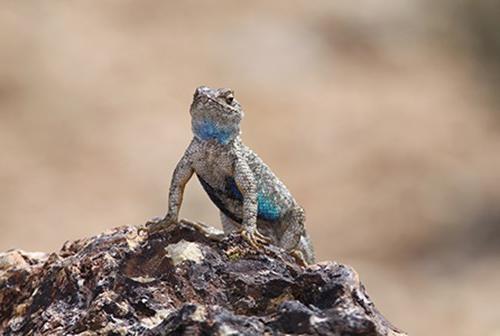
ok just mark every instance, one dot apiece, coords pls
pixel 214 197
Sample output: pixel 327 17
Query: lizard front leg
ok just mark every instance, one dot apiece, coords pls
pixel 182 173
pixel 247 185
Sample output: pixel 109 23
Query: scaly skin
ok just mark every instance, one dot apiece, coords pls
pixel 251 199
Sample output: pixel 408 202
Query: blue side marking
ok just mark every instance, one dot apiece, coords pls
pixel 208 130
pixel 267 209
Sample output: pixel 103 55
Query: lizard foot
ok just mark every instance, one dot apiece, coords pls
pixel 255 238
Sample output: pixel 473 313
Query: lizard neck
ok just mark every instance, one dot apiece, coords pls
pixel 206 130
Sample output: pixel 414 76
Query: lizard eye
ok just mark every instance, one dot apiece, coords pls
pixel 229 98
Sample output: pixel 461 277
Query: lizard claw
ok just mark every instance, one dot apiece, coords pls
pixel 299 258
pixel 266 240
pixel 255 238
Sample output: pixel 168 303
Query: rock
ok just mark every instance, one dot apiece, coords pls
pixel 184 280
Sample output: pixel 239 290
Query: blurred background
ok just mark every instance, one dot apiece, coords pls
pixel 382 117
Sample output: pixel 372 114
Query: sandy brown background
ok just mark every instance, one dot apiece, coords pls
pixel 382 117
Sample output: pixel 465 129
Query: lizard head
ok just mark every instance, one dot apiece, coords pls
pixel 215 114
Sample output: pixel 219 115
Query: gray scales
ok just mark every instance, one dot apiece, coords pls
pixel 251 199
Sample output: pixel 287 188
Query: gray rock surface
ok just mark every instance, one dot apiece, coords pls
pixel 187 280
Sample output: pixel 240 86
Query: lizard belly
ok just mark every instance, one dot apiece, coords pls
pixel 229 200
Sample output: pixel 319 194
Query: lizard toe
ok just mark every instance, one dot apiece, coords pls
pixel 266 240
pixel 254 238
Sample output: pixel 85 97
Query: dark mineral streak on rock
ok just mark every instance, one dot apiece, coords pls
pixel 185 280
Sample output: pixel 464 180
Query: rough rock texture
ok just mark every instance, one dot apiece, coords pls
pixel 187 280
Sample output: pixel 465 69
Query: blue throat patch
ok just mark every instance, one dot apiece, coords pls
pixel 209 130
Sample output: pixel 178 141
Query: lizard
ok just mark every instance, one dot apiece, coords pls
pixel 251 199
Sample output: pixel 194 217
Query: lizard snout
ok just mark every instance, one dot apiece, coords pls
pixel 201 90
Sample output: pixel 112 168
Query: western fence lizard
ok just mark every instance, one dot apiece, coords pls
pixel 251 199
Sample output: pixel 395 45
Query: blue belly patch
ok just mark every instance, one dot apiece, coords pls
pixel 209 130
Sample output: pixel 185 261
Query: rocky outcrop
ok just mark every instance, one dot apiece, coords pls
pixel 189 279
